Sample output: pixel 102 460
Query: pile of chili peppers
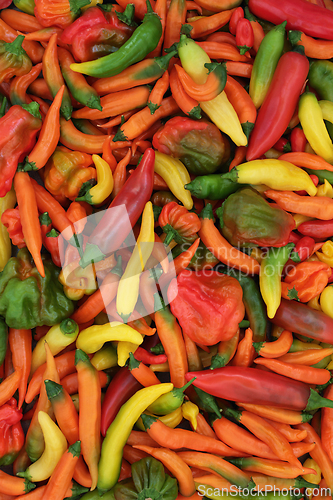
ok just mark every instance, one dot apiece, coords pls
pixel 211 123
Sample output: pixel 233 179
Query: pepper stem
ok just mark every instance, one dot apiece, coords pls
pixel 178 392
pixel 316 401
pixel 68 326
pixel 15 47
pixel 53 389
pixel 207 212
pixel 148 420
pixel 117 269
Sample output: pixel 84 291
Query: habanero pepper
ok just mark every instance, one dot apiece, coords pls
pixel 58 12
pixel 247 385
pixel 18 129
pixel 11 432
pixel 144 39
pixel 14 60
pixel 178 223
pixel 12 221
pixel 299 14
pixel 279 105
pixel 112 229
pixel 306 281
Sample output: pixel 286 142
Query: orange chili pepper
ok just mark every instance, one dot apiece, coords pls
pixel 239 69
pixel 308 357
pixel 204 428
pixel 20 84
pixel 222 50
pixel 242 103
pixel 176 16
pixel 245 352
pixel 40 89
pixel 187 104
pixel 317 207
pixel 11 485
pixel 141 372
pixel 305 281
pixel 277 348
pixel 8 387
pixel 34 50
pixel 207 25
pixel 20 21
pixel 157 94
pixel 27 203
pixel 44 34
pixel 275 468
pixel 71 383
pixel 141 438
pixel 161 10
pixel 307 160
pixel 119 176
pixel 240 155
pixel 20 342
pixel 318 49
pixel 75 140
pixel 304 373
pixel 277 414
pixel 293 435
pixel 204 92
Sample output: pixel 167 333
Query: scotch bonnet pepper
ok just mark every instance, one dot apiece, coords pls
pixel 26 299
pixel 11 432
pixel 208 305
pixel 178 223
pixel 198 144
pixel 14 60
pixel 249 220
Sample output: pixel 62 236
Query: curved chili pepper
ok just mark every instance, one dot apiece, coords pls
pixel 237 15
pixel 20 84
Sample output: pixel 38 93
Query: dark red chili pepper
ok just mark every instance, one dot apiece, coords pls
pixel 113 228
pixel 149 359
pixel 121 388
pixel 317 228
pixel 294 237
pixel 299 318
pixel 315 181
pixel 248 385
pixel 279 104
pixel 235 17
pixel 302 251
pixel 297 140
pixel 299 14
pixel 244 35
pixel 282 145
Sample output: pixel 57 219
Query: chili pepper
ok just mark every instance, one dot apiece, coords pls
pixel 62 16
pixel 26 6
pixel 238 383
pixel 148 358
pixel 118 432
pixel 316 229
pixel 14 60
pixel 319 207
pixel 206 402
pixel 178 223
pixel 244 35
pixel 297 140
pixel 245 353
pixel 111 228
pixel 211 187
pixel 142 373
pixel 262 481
pixel 179 138
pixel 175 18
pixel 264 466
pixel 203 26
pixel 89 413
pixel 50 238
pixel 226 351
pixel 242 104
pixel 11 484
pixel 9 386
pixel 277 414
pixel 7 203
pixel 286 93
pixel 55 446
pixel 297 372
pixel 58 337
pixel 266 61
pixel 307 18
pixel 218 6
pixel 188 105
pixel 169 402
pixel 20 84
pixel 143 40
pixel 305 281
pixel 258 31
pixel 237 15
pixel 181 438
pixel 20 345
pixel 97 194
pixel 33 49
pixel 277 348
pixel 227 254
pixel 222 113
pixel 12 436
pixel 214 84
pixel 190 51
pixel 91 339
pixel 190 411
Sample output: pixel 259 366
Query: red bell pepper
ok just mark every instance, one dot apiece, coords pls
pixel 12 221
pixel 250 385
pixel 300 16
pixel 279 104
pixel 121 388
pixel 244 35
pixel 178 223
pixel 299 318
pixel 208 305
pixel 11 432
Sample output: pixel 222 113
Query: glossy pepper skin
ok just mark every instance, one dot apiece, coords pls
pixel 144 40
pixel 321 80
pixel 306 281
pixel 26 299
pixel 18 129
pixel 96 34
pixel 147 475
pixel 279 104
pixel 178 223
pixel 198 144
pixel 212 187
pixel 249 220
pixel 300 15
pixel 11 432
pixel 195 305
pixel 58 12
pixel 14 60
pixel 67 171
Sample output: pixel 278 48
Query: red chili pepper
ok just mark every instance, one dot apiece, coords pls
pixel 112 230
pixel 235 17
pixel 121 388
pixel 11 432
pixel 50 238
pixel 300 15
pixel 149 359
pixel 279 105
pixel 244 35
pixel 248 385
pixel 282 145
pixel 12 221
pixel 294 237
pixel 322 229
pixel 302 251
pixel 315 181
pixel 93 15
pixel 297 140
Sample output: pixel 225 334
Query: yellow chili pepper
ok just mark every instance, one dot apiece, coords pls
pixel 123 351
pixel 8 201
pixel 314 303
pixel 326 253
pixel 74 277
pixel 190 412
pixel 105 358
pixel 311 478
pixel 222 113
pixel 55 447
pixel 277 174
pixel 327 110
pixel 120 429
pixel 58 337
pixel 98 193
pixel 299 219
pixel 161 368
pixel 325 189
pixel 326 301
pixel 171 419
pixel 311 118
pixel 257 254
pixel 168 168
pixel 193 59
pixel 128 287
pixel 91 339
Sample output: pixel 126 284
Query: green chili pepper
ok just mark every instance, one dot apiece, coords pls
pixel 270 276
pixel 212 187
pixel 3 340
pixel 321 79
pixel 169 402
pixel 207 402
pixel 26 6
pixel 254 305
pixel 268 55
pixel 144 40
pixel 94 495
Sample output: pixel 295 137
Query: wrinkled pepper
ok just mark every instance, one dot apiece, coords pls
pixel 195 305
pixel 58 12
pixel 26 299
pixel 178 223
pixel 11 432
pixel 18 129
pixel 198 144
pixel 67 172
pixel 248 220
pixel 11 220
pixel 305 281
pixel 14 60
